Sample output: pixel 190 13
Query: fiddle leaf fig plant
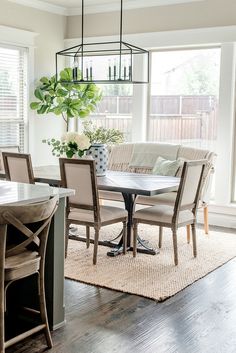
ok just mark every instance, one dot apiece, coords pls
pixel 65 98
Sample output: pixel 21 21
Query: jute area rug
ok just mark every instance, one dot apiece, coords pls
pixel 149 276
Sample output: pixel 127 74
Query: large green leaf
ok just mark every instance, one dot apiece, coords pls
pixel 42 109
pixel 74 112
pixel 66 74
pixel 59 100
pixel 62 93
pixel 44 80
pixel 57 110
pixel 34 105
pixel 84 113
pixel 48 98
pixel 39 94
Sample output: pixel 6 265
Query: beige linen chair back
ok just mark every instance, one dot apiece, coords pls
pixel 80 175
pixel 190 186
pixel 14 149
pixel 18 260
pixel 18 167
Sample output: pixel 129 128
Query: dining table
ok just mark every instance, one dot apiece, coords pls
pixel 13 193
pixel 130 185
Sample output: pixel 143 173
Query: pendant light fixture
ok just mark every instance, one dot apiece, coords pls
pixel 106 62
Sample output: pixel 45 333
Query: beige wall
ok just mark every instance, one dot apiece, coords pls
pixel 51 32
pixel 52 29
pixel 208 13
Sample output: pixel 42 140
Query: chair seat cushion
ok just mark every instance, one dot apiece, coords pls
pixel 165 199
pixel 162 214
pixel 108 214
pixel 21 265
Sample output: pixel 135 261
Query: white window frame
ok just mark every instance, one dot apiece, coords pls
pixel 14 37
pixel 223 211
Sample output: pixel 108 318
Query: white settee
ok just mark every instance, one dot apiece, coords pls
pixel 141 158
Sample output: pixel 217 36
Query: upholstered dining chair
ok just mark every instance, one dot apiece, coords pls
pixel 83 208
pixel 23 239
pixel 18 167
pixel 182 213
pixel 5 148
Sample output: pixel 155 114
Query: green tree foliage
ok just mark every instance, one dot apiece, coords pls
pixel 201 76
pixel 65 98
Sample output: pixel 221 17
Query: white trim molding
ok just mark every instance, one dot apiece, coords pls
pixel 222 216
pixel 43 6
pixel 94 6
pixel 170 39
pixel 16 36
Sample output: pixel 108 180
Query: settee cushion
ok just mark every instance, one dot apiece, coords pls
pixel 145 154
pixel 166 167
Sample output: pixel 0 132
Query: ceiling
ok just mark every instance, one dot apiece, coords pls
pixel 73 7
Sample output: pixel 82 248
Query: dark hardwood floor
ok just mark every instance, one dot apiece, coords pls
pixel 200 319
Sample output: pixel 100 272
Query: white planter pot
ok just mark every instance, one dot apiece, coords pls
pixel 100 154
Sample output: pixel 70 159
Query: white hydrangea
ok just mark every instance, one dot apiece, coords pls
pixel 81 140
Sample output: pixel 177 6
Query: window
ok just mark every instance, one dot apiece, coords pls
pixel 13 96
pixel 115 109
pixel 184 97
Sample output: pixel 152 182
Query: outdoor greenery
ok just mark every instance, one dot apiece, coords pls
pixel 117 90
pixel 65 98
pixel 101 134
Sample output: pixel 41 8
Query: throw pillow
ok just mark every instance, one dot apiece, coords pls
pixel 166 167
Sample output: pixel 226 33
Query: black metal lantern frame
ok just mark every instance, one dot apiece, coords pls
pixel 117 60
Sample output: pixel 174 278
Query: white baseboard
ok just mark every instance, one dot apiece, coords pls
pixel 218 219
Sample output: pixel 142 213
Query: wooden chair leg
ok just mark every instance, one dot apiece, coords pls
pixel 43 309
pixel 160 237
pixel 87 237
pixel 175 246
pixel 188 228
pixel 206 222
pixel 95 250
pixel 194 240
pixel 124 237
pixel 67 238
pixel 135 236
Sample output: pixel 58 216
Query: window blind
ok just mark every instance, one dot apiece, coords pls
pixel 13 96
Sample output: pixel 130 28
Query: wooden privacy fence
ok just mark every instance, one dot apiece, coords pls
pixel 172 117
pixel 180 127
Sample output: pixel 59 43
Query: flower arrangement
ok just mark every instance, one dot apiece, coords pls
pixel 71 144
pixel 101 134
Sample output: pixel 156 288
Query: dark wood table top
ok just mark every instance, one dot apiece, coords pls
pixel 132 183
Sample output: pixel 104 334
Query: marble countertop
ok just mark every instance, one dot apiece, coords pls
pixel 20 193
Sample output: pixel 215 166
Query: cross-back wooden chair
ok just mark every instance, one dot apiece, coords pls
pixel 18 167
pixel 83 208
pixel 183 212
pixel 18 260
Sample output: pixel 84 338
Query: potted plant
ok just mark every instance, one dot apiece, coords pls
pixel 68 100
pixel 100 138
